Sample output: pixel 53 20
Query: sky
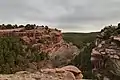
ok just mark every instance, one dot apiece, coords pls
pixel 66 15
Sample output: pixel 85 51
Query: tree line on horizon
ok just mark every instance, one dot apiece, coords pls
pixel 27 26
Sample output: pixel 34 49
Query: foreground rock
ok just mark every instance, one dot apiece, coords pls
pixel 106 54
pixel 64 73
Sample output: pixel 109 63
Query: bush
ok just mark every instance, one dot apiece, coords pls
pixel 15 57
pixel 83 61
pixel 29 27
pixel 80 39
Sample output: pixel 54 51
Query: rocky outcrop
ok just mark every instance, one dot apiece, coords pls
pixel 105 55
pixel 36 66
pixel 64 73
pixel 46 40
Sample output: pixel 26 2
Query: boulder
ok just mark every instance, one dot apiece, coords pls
pixel 77 73
pixel 72 69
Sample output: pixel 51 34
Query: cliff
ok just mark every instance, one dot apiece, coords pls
pixel 36 40
pixel 46 39
pixel 105 55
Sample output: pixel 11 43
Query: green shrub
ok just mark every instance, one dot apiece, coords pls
pixel 83 60
pixel 80 39
pixel 15 57
pixel 29 27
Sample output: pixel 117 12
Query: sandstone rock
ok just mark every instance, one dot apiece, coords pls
pixel 47 41
pixel 72 69
pixel 69 76
pixel 117 38
pixel 61 70
pixel 12 30
pixel 108 48
pixel 95 52
pixel 44 74
pixel 26 39
pixel 110 51
pixel 100 45
pixel 79 76
pixel 116 57
pixel 64 55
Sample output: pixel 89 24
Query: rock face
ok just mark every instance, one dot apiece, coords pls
pixel 105 56
pixel 51 38
pixel 46 40
pixel 65 73
pixel 43 38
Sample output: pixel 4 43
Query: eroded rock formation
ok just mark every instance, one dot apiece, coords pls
pixel 105 56
pixel 64 73
pixel 46 40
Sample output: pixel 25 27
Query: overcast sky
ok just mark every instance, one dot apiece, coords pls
pixel 67 15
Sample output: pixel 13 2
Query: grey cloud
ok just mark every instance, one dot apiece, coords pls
pixel 64 14
pixel 12 10
pixel 96 10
